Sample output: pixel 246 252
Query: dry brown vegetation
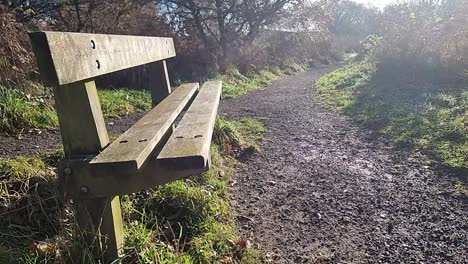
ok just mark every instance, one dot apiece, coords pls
pixel 16 61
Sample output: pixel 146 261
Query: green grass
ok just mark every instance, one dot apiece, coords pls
pixel 187 221
pixel 419 115
pixel 120 102
pixel 236 84
pixel 18 112
pixel 244 134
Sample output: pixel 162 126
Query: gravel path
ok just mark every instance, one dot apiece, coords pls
pixel 324 190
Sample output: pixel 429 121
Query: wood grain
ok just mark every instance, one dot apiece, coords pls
pixel 129 152
pixel 65 57
pixel 189 145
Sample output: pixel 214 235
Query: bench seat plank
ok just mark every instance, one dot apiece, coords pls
pixel 127 154
pixel 189 145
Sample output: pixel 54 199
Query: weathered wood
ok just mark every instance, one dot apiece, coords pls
pixel 100 222
pixel 81 121
pixel 189 145
pixel 151 174
pixel 127 154
pixel 84 133
pixel 159 83
pixel 65 58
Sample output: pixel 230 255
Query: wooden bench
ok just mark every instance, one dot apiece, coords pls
pixel 152 152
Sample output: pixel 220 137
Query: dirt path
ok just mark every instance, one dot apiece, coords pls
pixel 324 190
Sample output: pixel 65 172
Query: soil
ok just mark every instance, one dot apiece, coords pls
pixel 325 190
pixel 38 141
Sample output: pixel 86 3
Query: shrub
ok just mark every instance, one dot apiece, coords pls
pixel 16 61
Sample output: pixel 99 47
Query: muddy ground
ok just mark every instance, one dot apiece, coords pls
pixel 324 190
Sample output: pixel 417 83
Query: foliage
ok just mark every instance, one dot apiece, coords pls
pixel 222 25
pixel 209 36
pixel 425 39
pixel 353 22
pixel 420 115
pixel 17 112
pixel 16 61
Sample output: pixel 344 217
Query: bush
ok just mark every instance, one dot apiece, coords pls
pixel 424 40
pixel 16 61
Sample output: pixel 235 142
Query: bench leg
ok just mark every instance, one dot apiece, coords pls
pixel 101 227
pixel 84 133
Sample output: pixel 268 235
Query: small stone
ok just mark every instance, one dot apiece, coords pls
pixel 271 182
pixel 388 176
pixel 232 183
pixel 221 173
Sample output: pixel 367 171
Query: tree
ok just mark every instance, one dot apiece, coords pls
pixel 223 24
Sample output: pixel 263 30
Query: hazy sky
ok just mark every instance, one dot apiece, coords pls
pixel 377 3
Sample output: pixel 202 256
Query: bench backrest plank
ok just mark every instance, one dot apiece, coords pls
pixel 81 56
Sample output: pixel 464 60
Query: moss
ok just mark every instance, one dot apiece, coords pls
pixel 461 188
pixel 244 134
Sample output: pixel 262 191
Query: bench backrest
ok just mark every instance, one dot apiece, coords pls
pixel 78 56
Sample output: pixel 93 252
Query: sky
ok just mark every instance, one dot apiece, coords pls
pixel 377 3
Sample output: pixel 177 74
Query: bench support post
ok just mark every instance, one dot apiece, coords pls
pixel 159 83
pixel 84 133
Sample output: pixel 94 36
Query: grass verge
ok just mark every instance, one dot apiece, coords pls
pixel 236 84
pixel 20 111
pixel 187 221
pixel 422 115
pixel 120 102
